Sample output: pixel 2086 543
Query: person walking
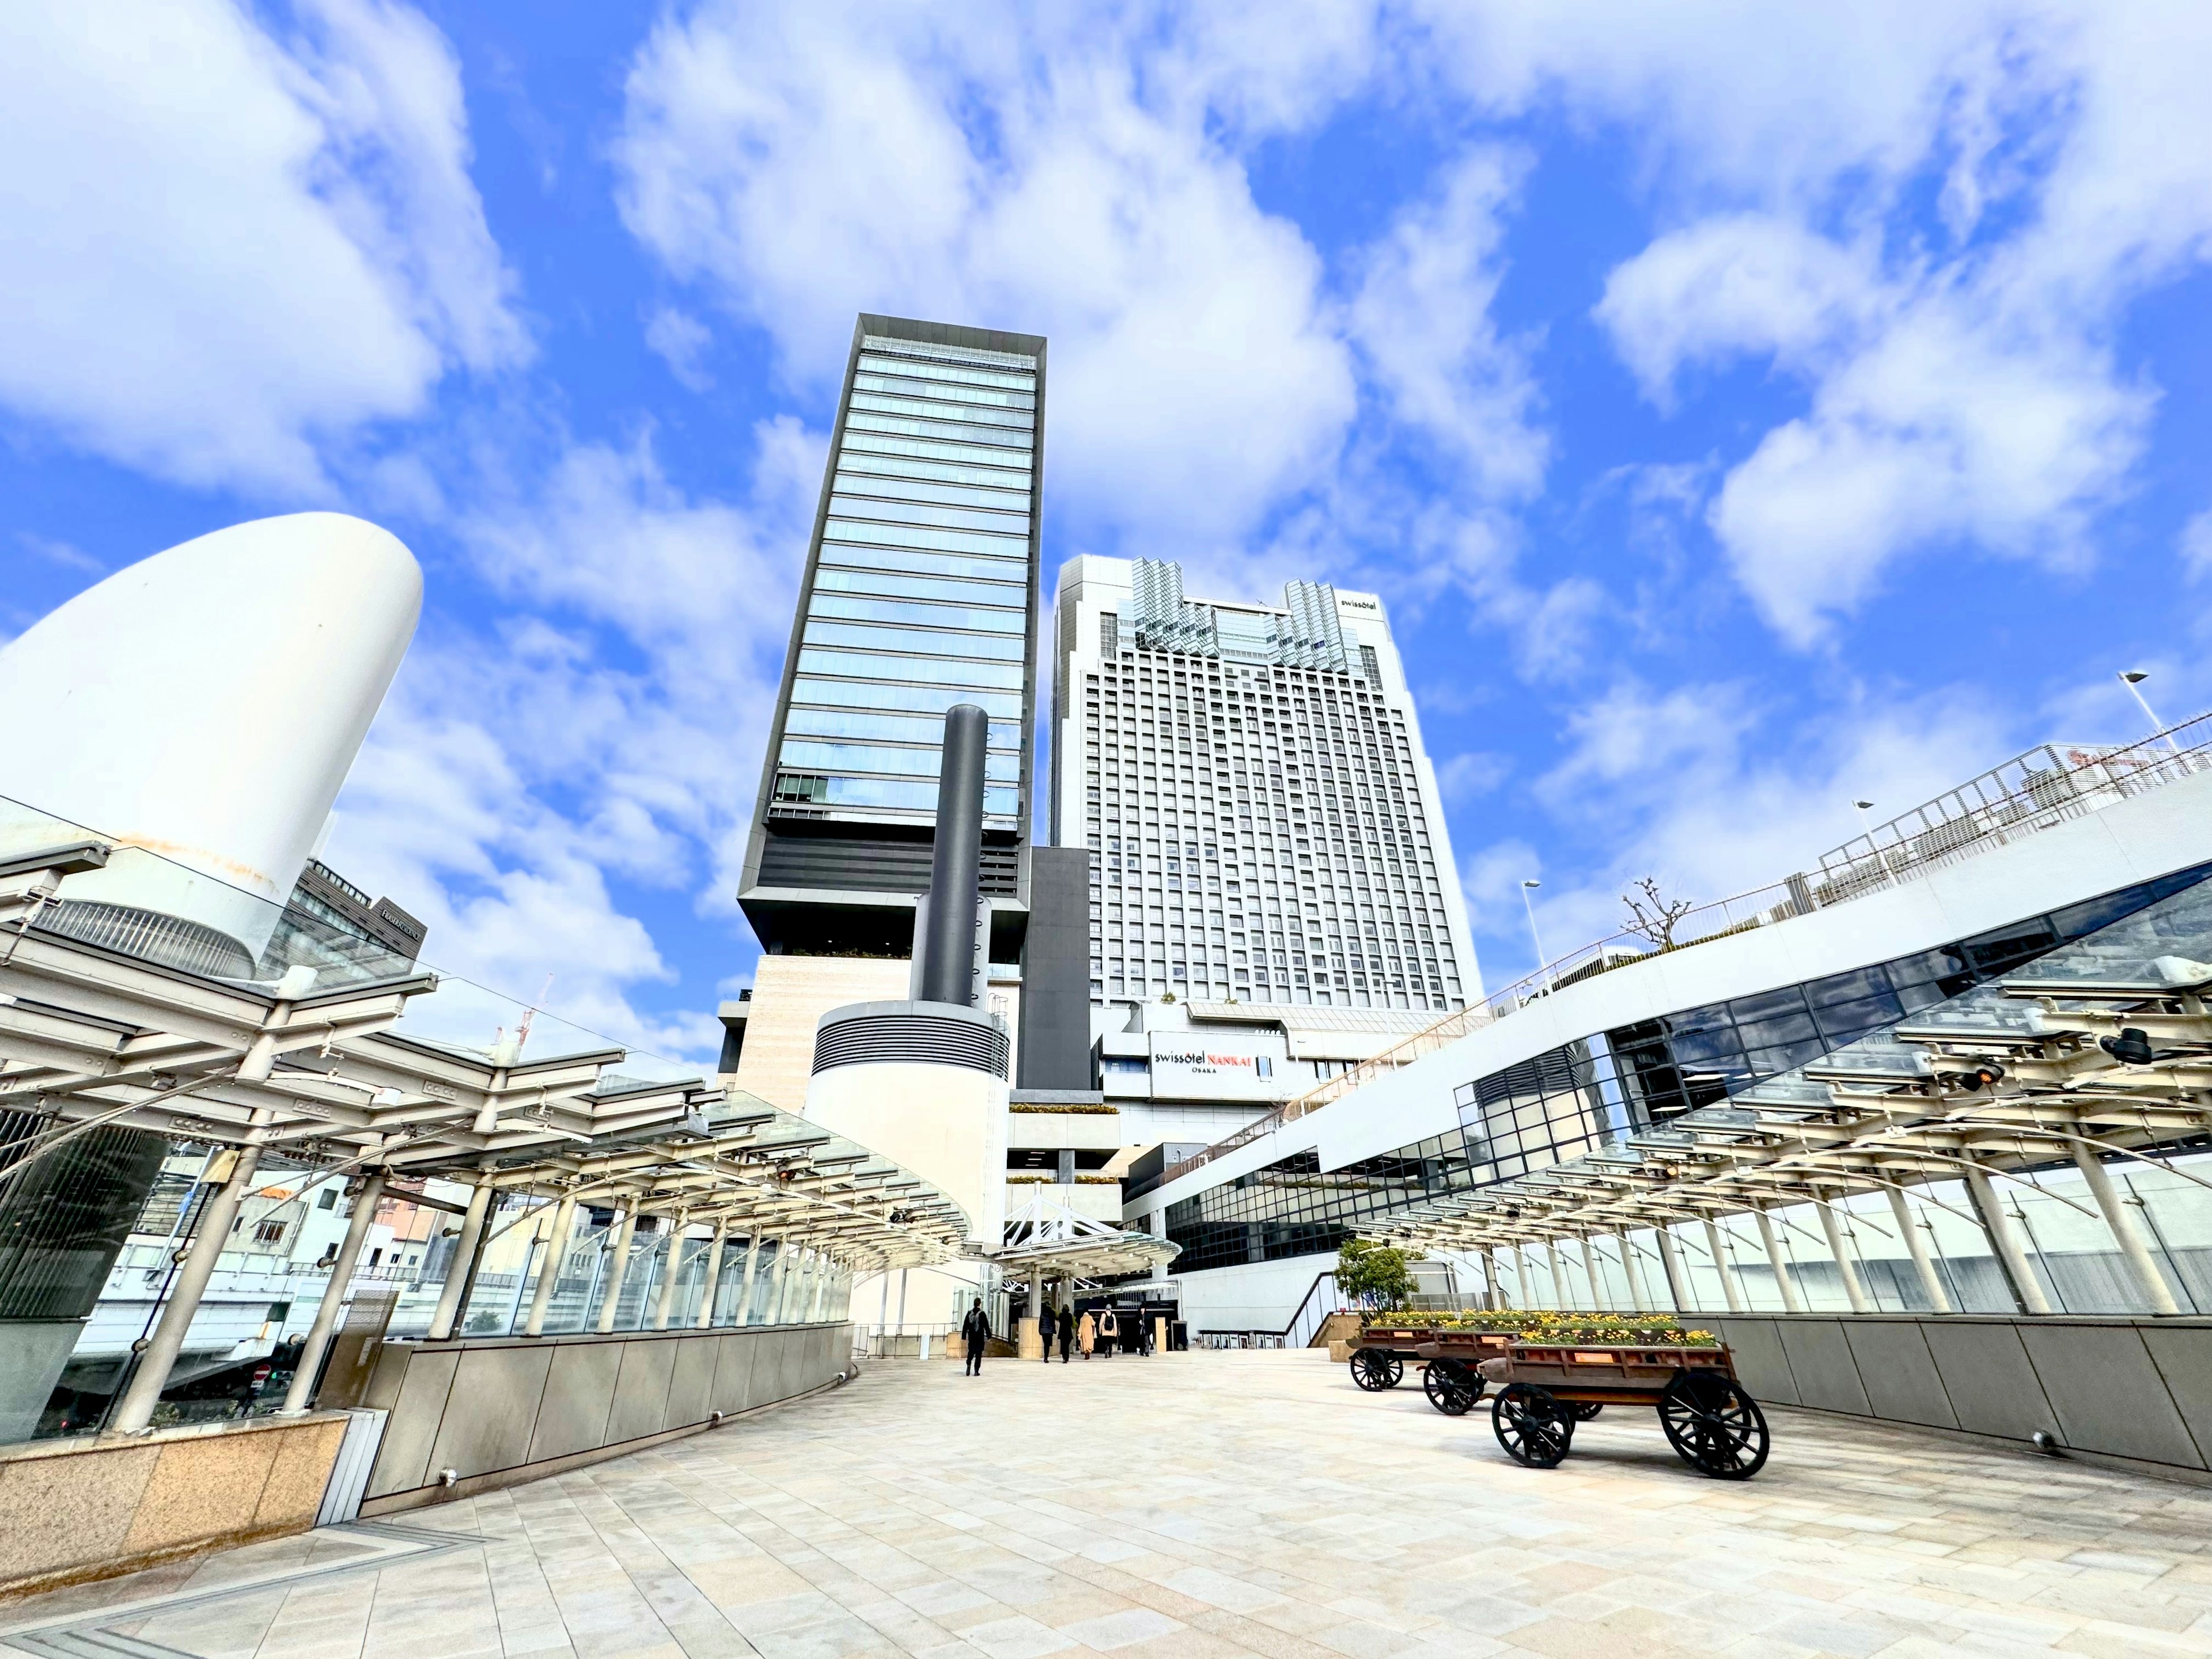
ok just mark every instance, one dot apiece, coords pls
pixel 977 1329
pixel 1086 1334
pixel 1066 1331
pixel 1047 1322
pixel 1109 1329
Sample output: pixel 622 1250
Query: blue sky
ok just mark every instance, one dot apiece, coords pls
pixel 1741 407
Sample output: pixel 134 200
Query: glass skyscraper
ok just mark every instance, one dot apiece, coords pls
pixel 919 591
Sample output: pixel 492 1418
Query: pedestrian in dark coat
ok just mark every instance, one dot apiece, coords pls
pixel 1046 1325
pixel 1066 1331
pixel 977 1329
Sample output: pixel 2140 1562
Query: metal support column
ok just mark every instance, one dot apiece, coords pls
pixel 744 1308
pixel 1670 1257
pixel 1632 1270
pixel 665 1303
pixel 617 1268
pixel 1724 1264
pixel 1845 1268
pixel 706 1315
pixel 326 1313
pixel 1915 1241
pixel 820 1288
pixel 1791 1301
pixel 135 1410
pixel 1589 1271
pixel 557 1255
pixel 464 1258
pixel 2150 1284
pixel 1559 1280
pixel 2020 1274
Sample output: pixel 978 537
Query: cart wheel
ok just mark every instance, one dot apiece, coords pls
pixel 1534 1427
pixel 1714 1426
pixel 1452 1388
pixel 1376 1369
pixel 1585 1409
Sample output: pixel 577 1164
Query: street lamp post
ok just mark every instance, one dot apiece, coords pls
pixel 1543 962
pixel 2133 679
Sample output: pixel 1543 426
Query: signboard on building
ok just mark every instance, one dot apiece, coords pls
pixel 1195 1066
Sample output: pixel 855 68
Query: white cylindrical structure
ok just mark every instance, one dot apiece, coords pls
pixel 203 705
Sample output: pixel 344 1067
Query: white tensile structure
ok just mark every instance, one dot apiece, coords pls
pixel 204 705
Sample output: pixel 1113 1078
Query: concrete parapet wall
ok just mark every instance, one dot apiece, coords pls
pixel 2133 1392
pixel 72 1511
pixel 496 1410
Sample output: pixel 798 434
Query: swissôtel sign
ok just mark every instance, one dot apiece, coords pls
pixel 1182 1067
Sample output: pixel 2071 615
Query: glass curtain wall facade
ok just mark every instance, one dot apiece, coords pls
pixel 1576 1100
pixel 1263 818
pixel 919 593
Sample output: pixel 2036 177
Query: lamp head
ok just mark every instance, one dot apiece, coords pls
pixel 2134 676
pixel 1862 804
pixel 1532 884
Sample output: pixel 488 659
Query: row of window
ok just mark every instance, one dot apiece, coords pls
pixel 858 443
pixel 1009 518
pixel 969 434
pixel 891 728
pixel 931 695
pixel 938 672
pixel 964 590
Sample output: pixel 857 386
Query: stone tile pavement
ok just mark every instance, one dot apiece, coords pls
pixel 1205 1506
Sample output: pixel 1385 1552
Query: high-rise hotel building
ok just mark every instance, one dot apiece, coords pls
pixel 1263 819
pixel 920 591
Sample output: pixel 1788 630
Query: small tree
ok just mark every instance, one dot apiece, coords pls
pixel 1653 916
pixel 1373 1275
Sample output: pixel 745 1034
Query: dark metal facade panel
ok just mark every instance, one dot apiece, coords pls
pixel 1055 1009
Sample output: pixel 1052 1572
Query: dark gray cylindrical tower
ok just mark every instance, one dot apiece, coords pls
pixel 948 954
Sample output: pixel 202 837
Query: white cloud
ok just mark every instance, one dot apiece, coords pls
pixel 226 249
pixel 2195 544
pixel 605 736
pixel 680 341
pixel 1962 388
pixel 806 162
pixel 1695 786
pixel 1734 283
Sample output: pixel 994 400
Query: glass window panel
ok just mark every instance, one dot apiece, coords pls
pixel 909 535
pixel 1781 1028
pixel 859 607
pixel 959 432
pixel 915 796
pixel 816 756
pixel 928 699
pixel 1854 987
pixel 952 518
pixel 921 587
pixel 878 356
pixel 1010 647
pixel 931 481
pixel 858 442
pixel 925 563
pixel 898 728
pixel 932 408
pixel 930 670
pixel 1846 1021
pixel 1790 1000
pixel 905 384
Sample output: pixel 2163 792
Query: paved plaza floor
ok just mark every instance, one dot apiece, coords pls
pixel 1201 1506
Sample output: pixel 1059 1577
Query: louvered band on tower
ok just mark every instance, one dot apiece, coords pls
pixel 910 1034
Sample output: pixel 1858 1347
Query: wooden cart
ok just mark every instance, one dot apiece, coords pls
pixel 1450 1378
pixel 1546 1387
pixel 1379 1361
